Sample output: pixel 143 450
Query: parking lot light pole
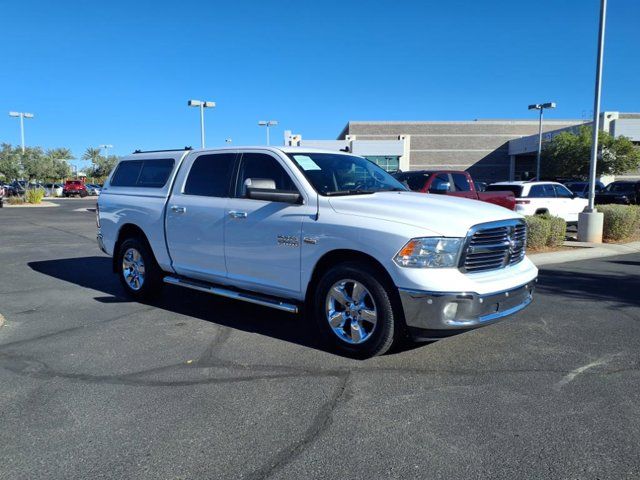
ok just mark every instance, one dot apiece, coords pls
pixel 541 107
pixel 268 123
pixel 590 222
pixel 105 148
pixel 202 104
pixel 22 116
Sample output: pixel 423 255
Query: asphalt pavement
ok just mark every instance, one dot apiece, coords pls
pixel 190 386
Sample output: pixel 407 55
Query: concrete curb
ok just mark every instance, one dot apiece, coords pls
pixel 584 251
pixel 44 204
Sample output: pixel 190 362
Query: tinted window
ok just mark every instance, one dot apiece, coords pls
pixel 541 191
pixel 415 181
pixel 260 165
pixel 210 175
pixel 143 173
pixel 515 189
pixel 461 182
pixel 620 187
pixel 562 191
pixel 127 174
pixel 440 180
pixel 578 187
pixel 155 173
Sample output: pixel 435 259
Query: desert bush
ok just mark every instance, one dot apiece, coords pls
pixel 557 231
pixel 620 221
pixel 14 200
pixel 34 195
pixel 538 231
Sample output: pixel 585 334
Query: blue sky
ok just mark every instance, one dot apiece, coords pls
pixel 120 72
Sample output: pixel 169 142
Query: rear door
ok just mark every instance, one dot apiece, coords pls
pixel 196 213
pixel 263 238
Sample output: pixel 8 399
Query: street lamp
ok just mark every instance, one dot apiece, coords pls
pixel 202 104
pixel 268 123
pixel 590 222
pixel 22 116
pixel 105 148
pixel 541 107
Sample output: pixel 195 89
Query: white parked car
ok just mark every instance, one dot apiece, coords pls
pixel 534 198
pixel 287 228
pixel 92 189
pixel 53 190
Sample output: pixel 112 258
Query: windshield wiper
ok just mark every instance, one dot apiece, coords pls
pixel 348 192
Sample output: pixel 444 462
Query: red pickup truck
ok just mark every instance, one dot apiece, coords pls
pixel 453 182
pixel 74 187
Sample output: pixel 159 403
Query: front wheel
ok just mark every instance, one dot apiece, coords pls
pixel 354 310
pixel 137 268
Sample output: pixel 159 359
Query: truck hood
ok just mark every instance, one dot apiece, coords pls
pixel 440 214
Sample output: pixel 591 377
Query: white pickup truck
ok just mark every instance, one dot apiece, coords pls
pixel 287 228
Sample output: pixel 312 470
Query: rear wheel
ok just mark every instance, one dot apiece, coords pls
pixel 354 310
pixel 137 268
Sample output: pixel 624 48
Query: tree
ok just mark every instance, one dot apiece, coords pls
pixel 35 164
pixel 101 166
pixel 567 154
pixel 10 164
pixel 59 158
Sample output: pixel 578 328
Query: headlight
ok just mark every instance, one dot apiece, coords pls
pixel 430 252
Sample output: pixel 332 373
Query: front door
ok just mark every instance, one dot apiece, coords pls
pixel 262 239
pixel 196 213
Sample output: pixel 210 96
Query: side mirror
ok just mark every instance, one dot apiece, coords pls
pixel 441 187
pixel 265 189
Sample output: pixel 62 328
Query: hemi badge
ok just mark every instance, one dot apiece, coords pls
pixel 310 240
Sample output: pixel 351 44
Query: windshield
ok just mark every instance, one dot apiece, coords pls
pixel 619 187
pixel 336 174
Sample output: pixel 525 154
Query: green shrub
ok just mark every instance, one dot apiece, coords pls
pixel 620 221
pixel 557 231
pixel 538 231
pixel 15 200
pixel 34 195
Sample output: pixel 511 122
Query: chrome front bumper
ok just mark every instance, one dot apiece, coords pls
pixel 426 310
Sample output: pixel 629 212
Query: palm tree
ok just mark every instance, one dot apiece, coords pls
pixel 92 153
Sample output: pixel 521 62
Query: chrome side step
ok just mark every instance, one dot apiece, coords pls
pixel 223 292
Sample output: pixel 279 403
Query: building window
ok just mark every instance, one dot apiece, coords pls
pixel 389 163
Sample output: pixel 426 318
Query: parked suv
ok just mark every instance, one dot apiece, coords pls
pixel 581 189
pixel 287 228
pixel 74 188
pixel 533 198
pixel 622 192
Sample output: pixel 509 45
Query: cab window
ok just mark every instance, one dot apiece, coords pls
pixel 461 182
pixel 210 175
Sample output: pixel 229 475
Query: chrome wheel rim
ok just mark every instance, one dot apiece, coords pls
pixel 351 311
pixel 133 269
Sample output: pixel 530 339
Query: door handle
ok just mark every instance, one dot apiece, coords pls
pixel 234 214
pixel 177 209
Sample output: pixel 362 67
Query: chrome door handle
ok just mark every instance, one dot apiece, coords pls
pixel 177 209
pixel 234 214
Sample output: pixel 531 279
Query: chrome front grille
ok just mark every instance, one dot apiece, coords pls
pixel 490 246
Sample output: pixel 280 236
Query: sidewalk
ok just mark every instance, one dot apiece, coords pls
pixel 584 251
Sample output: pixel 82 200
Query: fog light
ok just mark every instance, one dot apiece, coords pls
pixel 449 311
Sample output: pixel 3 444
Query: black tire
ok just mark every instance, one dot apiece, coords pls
pixel 389 323
pixel 83 194
pixel 152 277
